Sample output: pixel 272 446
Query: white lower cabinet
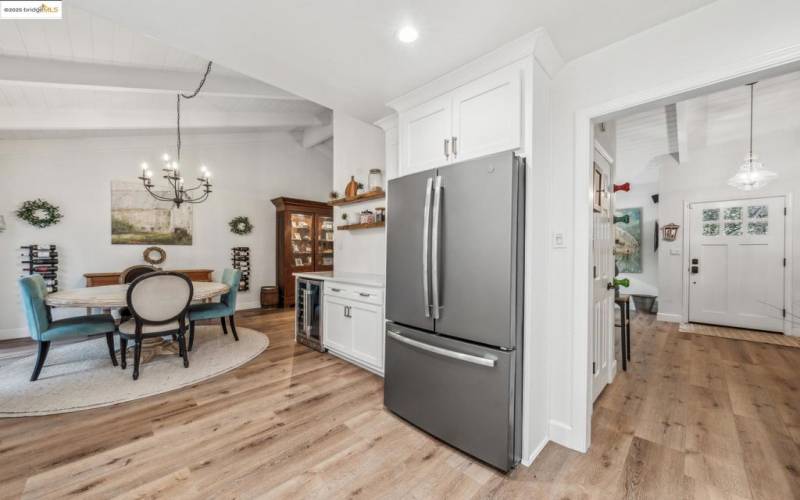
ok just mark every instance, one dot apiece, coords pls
pixel 353 325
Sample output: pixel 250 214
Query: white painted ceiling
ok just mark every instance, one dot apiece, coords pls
pixel 344 54
pixel 95 43
pixel 713 119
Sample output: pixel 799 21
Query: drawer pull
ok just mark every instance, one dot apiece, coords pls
pixel 364 294
pixel 469 358
pixel 336 289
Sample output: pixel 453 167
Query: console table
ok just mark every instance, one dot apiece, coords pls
pixel 100 279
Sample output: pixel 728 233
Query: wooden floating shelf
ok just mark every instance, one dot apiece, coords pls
pixel 353 227
pixel 372 195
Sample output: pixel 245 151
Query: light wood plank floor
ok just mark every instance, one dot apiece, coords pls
pixel 694 417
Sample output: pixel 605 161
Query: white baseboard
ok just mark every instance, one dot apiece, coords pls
pixel 13 333
pixel 527 462
pixel 563 434
pixel 669 318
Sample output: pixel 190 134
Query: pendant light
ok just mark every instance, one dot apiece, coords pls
pixel 752 174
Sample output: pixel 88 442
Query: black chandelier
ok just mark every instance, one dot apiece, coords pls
pixel 179 193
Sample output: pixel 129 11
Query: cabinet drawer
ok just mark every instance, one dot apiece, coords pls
pixel 357 293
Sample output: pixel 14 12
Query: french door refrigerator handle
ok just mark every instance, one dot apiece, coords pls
pixel 437 212
pixel 425 232
pixel 469 358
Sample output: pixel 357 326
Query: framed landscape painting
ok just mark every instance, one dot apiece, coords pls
pixel 139 219
pixel 628 240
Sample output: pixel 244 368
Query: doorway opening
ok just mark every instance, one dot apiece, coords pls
pixel 694 253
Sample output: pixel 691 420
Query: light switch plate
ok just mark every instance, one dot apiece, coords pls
pixel 559 241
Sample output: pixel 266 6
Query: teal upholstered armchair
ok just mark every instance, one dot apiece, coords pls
pixel 44 330
pixel 225 308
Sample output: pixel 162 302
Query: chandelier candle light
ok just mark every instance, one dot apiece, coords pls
pixel 180 194
pixel 752 174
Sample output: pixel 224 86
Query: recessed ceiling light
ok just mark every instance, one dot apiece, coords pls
pixel 407 34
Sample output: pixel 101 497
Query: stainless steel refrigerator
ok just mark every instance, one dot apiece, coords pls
pixel 454 291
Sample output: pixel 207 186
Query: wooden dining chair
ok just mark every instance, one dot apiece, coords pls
pixel 133 272
pixel 225 308
pixel 158 302
pixel 44 330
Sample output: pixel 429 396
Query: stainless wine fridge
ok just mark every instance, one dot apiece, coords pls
pixel 308 313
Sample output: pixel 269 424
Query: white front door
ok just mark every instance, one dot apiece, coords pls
pixel 736 273
pixel 603 274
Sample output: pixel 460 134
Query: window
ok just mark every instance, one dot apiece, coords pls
pixel 710 214
pixel 711 229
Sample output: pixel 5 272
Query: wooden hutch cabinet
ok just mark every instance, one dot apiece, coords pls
pixel 304 241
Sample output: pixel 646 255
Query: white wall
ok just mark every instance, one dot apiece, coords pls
pixel 704 178
pixel 76 175
pixel 357 148
pixel 701 48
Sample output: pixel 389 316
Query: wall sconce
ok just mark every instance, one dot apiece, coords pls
pixel 670 232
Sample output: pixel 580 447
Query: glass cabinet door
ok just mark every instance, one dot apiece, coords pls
pixel 302 240
pixel 324 241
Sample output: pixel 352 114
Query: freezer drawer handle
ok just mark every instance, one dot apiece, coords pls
pixel 476 360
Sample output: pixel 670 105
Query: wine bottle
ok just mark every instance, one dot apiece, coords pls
pixel 622 282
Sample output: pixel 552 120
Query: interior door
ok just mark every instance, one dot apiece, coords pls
pixel 603 278
pixel 737 263
pixel 477 249
pixel 487 115
pixel 408 250
pixel 423 132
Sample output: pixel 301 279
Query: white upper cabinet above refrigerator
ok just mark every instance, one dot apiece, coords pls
pixel 479 118
pixel 425 135
pixel 487 115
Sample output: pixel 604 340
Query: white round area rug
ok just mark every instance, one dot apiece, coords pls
pixel 78 376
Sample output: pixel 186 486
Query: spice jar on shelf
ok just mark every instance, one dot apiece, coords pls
pixel 375 180
pixel 380 214
pixel 367 217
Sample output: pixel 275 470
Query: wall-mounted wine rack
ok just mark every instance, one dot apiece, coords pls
pixel 241 261
pixel 41 259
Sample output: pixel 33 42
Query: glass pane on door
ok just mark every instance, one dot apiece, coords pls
pixel 324 241
pixel 302 239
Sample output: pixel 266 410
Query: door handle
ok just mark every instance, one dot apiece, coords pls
pixel 425 233
pixel 455 148
pixel 447 149
pixel 437 213
pixel 469 358
pixel 306 312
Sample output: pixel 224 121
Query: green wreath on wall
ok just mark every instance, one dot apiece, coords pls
pixel 241 225
pixel 39 213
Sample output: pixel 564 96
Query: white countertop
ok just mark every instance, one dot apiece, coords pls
pixel 363 279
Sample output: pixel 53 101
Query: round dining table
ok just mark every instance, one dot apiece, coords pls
pixel 112 297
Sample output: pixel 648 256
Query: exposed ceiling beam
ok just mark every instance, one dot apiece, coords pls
pixel 672 132
pixel 84 119
pixel 317 135
pixel 67 74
